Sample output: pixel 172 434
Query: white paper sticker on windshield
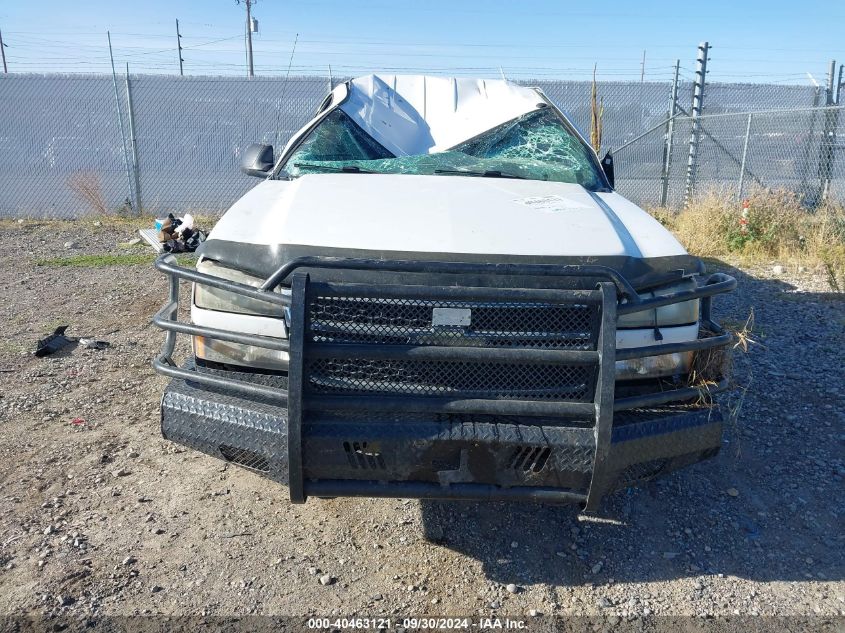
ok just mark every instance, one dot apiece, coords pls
pixel 549 203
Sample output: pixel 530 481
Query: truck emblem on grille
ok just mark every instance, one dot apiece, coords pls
pixel 446 317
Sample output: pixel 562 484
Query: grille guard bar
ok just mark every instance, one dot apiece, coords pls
pixel 716 283
pixel 167 317
pixel 613 295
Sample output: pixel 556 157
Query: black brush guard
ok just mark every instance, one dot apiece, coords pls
pixel 380 402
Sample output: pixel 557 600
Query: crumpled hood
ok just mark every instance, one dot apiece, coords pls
pixel 442 216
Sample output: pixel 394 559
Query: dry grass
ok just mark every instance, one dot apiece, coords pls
pixel 596 115
pixel 710 366
pixel 780 228
pixel 88 188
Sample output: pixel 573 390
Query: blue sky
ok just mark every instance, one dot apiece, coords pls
pixel 752 41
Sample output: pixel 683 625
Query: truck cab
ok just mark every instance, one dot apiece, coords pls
pixel 435 292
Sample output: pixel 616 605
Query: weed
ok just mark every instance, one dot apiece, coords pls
pixel 98 261
pixel 779 227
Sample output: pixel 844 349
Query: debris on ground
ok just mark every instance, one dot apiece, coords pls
pixel 150 236
pixel 178 235
pixel 53 343
pixel 90 343
pixel 57 341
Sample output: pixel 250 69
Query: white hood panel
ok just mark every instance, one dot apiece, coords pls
pixel 415 114
pixel 444 214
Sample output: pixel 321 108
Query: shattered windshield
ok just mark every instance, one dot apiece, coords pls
pixel 534 146
pixel 336 140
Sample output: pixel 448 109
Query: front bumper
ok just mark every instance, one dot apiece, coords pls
pixel 437 414
pixel 430 457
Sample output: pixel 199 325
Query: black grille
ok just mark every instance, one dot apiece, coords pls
pixel 360 456
pixel 448 378
pixel 526 458
pixel 355 335
pixel 409 322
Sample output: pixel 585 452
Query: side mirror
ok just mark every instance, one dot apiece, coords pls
pixel 607 168
pixel 257 160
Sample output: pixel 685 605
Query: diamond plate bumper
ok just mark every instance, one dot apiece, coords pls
pixel 432 457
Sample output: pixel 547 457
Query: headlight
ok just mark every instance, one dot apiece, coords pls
pixel 654 366
pixel 237 354
pixel 223 301
pixel 683 313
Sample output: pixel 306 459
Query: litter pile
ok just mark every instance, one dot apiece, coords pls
pixel 178 235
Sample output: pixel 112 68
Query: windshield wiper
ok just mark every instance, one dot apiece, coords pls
pixel 489 173
pixel 346 169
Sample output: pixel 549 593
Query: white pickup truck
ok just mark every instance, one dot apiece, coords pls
pixel 436 293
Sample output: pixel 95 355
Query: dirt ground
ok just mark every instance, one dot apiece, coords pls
pixel 104 517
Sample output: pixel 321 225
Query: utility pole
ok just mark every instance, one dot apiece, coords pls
pixel 249 3
pixel 642 68
pixel 642 79
pixel 179 44
pixel 831 73
pixel 3 54
pixel 697 109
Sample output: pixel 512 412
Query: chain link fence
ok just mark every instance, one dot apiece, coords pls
pixel 801 150
pixel 62 150
pixel 62 147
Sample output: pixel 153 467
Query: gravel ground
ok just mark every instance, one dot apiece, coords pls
pixel 105 517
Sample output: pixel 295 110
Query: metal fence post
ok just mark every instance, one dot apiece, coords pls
pixel 829 138
pixel 741 186
pixel 3 55
pixel 670 135
pixel 697 109
pixel 120 121
pixel 133 141
pixel 809 146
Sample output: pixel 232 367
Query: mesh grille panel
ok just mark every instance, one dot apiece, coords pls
pixel 445 378
pixel 244 457
pixel 636 473
pixel 409 322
